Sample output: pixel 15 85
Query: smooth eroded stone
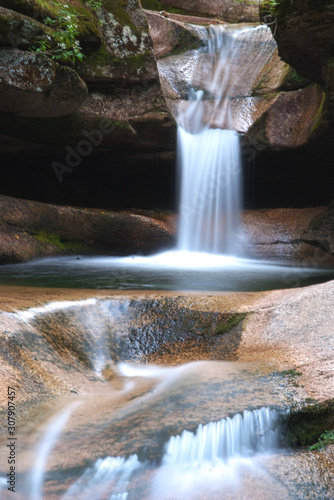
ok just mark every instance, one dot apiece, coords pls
pixel 33 85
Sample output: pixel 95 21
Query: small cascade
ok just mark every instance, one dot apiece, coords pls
pixel 243 435
pixel 212 447
pixel 110 472
pixel 208 145
pixel 93 329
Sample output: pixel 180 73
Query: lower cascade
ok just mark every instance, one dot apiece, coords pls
pixel 224 444
pixel 242 435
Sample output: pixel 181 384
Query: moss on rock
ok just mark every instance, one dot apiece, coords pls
pixel 229 321
pixel 61 243
pixel 305 425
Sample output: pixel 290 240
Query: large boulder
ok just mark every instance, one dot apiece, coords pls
pixel 289 121
pixel 46 108
pixel 29 229
pixel 126 53
pixel 172 36
pixel 33 85
pixel 232 11
pixel 305 37
pixel 21 31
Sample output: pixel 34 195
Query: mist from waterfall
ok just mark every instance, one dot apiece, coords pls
pixel 208 144
pixel 216 454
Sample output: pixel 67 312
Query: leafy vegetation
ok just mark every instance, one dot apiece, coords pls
pixel 65 46
pixel 325 439
pixel 95 4
pixel 306 426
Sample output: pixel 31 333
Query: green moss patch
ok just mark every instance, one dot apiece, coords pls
pixel 229 321
pixel 290 373
pixel 55 240
pixel 305 426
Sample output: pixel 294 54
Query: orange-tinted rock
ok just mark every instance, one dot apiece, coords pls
pixel 170 35
pixel 290 120
pixel 29 229
pixel 231 11
pixel 33 85
pixel 320 231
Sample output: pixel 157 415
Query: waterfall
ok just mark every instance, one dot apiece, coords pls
pixel 191 455
pixel 243 435
pixel 115 471
pixel 208 146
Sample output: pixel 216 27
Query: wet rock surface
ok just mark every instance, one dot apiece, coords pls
pixel 171 35
pixel 282 234
pixel 47 107
pixel 281 349
pixel 229 11
pixel 34 85
pixel 31 229
pixel 320 229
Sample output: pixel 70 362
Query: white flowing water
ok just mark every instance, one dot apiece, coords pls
pixel 208 145
pixel 243 435
pixel 209 254
pixel 33 487
pixel 222 446
pixel 210 191
pixel 115 471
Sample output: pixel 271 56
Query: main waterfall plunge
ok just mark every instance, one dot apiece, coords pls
pixel 209 253
pixel 208 146
pixel 210 192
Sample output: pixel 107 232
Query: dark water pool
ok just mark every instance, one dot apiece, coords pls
pixel 166 271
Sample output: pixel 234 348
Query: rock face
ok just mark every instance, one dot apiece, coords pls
pixel 30 229
pixel 33 85
pixel 171 35
pixel 289 121
pixel 282 234
pixel 231 11
pixel 321 230
pixel 47 107
pixel 305 37
pixel 304 33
